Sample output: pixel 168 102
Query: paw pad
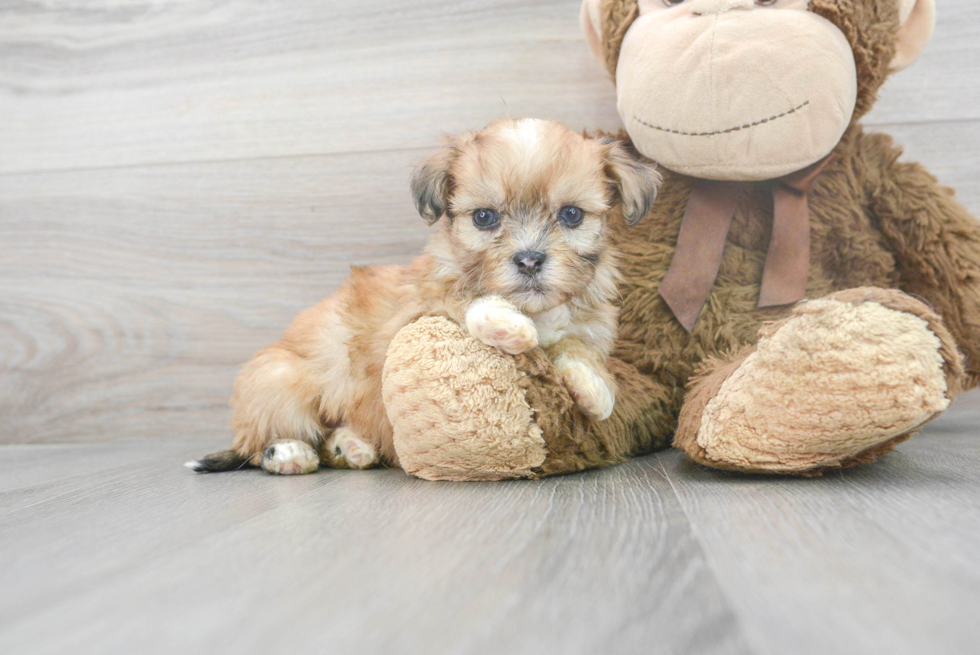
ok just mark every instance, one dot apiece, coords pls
pixel 290 458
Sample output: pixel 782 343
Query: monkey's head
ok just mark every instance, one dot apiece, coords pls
pixel 749 89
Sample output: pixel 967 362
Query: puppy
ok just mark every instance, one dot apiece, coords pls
pixel 520 258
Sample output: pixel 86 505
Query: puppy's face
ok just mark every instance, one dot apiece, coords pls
pixel 527 205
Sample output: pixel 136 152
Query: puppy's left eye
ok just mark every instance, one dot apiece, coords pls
pixel 571 216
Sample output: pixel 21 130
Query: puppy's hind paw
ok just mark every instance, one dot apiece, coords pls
pixel 290 458
pixel 496 322
pixel 592 395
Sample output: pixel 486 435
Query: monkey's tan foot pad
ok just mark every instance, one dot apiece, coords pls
pixel 839 382
pixel 456 406
pixel 290 458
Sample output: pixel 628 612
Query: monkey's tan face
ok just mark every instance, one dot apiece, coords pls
pixel 529 206
pixel 735 89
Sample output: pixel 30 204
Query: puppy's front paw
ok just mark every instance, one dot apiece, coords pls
pixel 496 323
pixel 345 449
pixel 290 458
pixel 592 395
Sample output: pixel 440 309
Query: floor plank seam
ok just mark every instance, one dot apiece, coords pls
pixel 916 123
pixel 207 162
pixel 755 641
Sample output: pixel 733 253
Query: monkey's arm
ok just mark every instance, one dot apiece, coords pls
pixel 462 411
pixel 642 420
pixel 935 241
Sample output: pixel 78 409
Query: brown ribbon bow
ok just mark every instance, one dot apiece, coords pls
pixel 704 230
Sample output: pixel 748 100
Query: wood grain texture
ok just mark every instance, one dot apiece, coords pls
pixel 178 179
pixel 131 295
pixel 114 548
pixel 170 199
pixel 157 82
pixel 146 557
pixel 113 84
pixel 881 558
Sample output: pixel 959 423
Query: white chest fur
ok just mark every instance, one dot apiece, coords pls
pixel 552 325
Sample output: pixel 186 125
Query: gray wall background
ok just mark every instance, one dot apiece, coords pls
pixel 178 179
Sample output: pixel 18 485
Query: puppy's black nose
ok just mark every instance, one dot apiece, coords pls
pixel 529 261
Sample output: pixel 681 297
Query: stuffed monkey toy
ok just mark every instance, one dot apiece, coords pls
pixel 797 300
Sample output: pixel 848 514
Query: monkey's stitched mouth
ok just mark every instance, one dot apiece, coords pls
pixel 729 130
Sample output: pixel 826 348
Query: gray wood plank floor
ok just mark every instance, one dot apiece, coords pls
pixel 114 548
pixel 178 179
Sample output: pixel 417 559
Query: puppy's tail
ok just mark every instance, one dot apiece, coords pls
pixel 226 460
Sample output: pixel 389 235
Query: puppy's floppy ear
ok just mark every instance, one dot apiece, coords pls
pixel 636 181
pixel 432 180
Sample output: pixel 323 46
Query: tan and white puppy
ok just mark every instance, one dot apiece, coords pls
pixel 520 258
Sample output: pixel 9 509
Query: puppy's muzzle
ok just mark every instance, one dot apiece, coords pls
pixel 529 262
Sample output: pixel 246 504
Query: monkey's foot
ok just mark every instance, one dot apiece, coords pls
pixel 840 382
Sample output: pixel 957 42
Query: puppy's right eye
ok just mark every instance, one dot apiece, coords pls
pixel 486 219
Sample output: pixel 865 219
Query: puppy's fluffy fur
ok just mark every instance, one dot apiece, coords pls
pixel 520 258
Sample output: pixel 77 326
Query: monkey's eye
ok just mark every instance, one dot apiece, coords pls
pixel 570 215
pixel 486 219
pixel 672 3
pixel 765 3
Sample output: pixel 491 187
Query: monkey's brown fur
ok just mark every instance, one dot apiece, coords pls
pixel 875 222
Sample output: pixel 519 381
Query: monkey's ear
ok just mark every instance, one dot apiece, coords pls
pixel 917 20
pixel 432 181
pixel 604 25
pixel 637 181
pixel 589 20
